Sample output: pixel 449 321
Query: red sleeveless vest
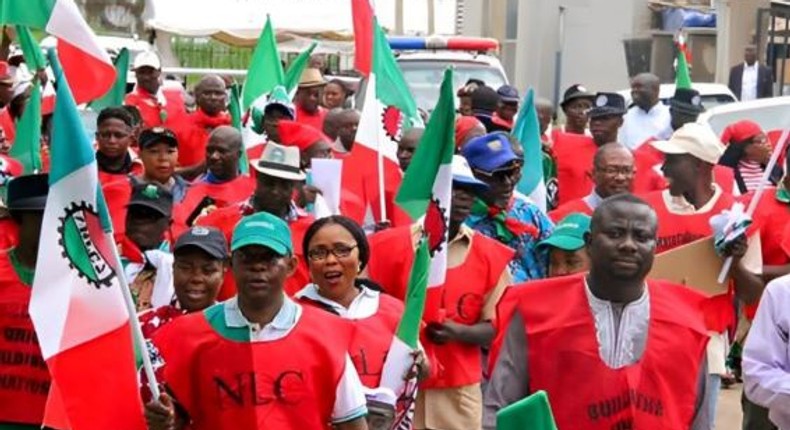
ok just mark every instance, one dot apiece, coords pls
pixel 24 378
pixel 372 338
pixel 287 384
pixel 574 154
pixel 460 299
pixel 677 230
pixel 659 391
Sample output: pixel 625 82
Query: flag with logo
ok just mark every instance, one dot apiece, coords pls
pixel 77 305
pixel 682 74
pixel 527 131
pixel 426 193
pixel 85 63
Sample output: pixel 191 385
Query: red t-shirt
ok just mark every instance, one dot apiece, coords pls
pixel 315 120
pixel 152 112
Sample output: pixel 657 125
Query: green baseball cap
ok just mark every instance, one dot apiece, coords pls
pixel 568 234
pixel 262 229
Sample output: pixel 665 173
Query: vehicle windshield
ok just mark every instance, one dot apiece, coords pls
pixel 710 100
pixel 424 78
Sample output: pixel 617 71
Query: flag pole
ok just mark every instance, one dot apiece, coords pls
pixel 725 269
pixel 137 331
pixel 382 200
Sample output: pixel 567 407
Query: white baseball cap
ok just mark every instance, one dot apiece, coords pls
pixel 695 139
pixel 462 175
pixel 147 59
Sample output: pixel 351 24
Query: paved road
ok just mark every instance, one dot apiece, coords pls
pixel 728 412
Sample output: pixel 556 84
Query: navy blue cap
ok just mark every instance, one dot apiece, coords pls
pixel 27 193
pixel 508 94
pixel 607 104
pixel 489 152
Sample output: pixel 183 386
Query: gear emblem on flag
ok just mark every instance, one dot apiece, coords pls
pixel 435 226
pixel 85 246
pixel 392 120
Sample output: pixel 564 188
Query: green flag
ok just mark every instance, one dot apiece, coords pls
pixel 266 70
pixel 682 74
pixel 235 117
pixel 532 412
pixel 115 96
pixel 296 68
pixel 30 49
pixel 391 87
pixel 27 145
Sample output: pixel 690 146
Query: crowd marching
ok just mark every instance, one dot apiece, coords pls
pixel 260 309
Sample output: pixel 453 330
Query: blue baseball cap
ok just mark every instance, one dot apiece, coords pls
pixel 508 94
pixel 489 152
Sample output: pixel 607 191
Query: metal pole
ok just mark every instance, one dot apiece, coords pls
pixel 431 17
pixel 784 57
pixel 398 16
pixel 558 57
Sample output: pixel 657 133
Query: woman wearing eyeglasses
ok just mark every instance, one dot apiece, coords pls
pixel 337 251
pixel 747 153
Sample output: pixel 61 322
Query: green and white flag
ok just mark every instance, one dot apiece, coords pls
pixel 115 96
pixel 426 192
pixel 266 70
pixel 27 145
pixel 296 68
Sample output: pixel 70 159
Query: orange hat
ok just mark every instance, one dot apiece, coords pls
pixel 463 125
pixel 296 134
pixel 740 131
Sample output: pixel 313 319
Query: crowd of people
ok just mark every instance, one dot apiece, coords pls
pixel 258 313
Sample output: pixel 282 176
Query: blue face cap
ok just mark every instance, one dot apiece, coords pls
pixel 489 153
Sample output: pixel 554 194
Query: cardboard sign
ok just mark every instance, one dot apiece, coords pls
pixel 695 265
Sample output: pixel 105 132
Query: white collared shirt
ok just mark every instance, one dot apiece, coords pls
pixel 621 330
pixel 766 363
pixel 364 305
pixel 639 126
pixel 749 82
pixel 350 401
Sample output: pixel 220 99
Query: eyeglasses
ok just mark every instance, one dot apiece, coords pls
pixel 339 251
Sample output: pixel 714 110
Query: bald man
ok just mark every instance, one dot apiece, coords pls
pixel 648 117
pixel 347 123
pixel 612 173
pixel 407 145
pixel 211 98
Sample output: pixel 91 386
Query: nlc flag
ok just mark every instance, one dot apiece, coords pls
pixel 77 306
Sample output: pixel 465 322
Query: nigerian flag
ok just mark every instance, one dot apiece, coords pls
pixel 296 68
pixel 532 412
pixel 527 131
pixel 115 96
pixel 425 193
pixel 266 70
pixel 682 73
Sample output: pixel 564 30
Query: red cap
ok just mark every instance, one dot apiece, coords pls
pixel 299 135
pixel 5 73
pixel 740 131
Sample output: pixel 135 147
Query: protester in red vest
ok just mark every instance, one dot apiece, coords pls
pixel 279 176
pixel 684 212
pixel 310 141
pixel 458 314
pixel 507 107
pixel 9 231
pixel 222 185
pixel 308 98
pixel 565 246
pixel 211 98
pixel 158 106
pixel 772 216
pixel 337 251
pixel 747 154
pixel 561 335
pixel 259 360
pixel 336 92
pixel 114 138
pixel 576 104
pixel 574 152
pixel 485 102
pixel 466 129
pixel 27 380
pixel 347 124
pixel 612 173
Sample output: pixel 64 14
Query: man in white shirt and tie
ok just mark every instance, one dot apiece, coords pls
pixel 648 117
pixel 750 80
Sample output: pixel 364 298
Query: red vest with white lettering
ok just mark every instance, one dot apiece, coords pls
pixel 659 391
pixel 678 230
pixel 460 299
pixel 372 338
pixel 24 378
pixel 286 384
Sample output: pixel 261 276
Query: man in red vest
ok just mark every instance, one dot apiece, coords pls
pixel 612 173
pixel 259 360
pixel 114 138
pixel 684 212
pixel 458 314
pixel 26 378
pixel 158 106
pixel 211 98
pixel 308 99
pixel 574 152
pixel 576 104
pixel 611 349
pixel 278 177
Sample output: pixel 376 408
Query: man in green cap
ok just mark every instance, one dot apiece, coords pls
pixel 565 246
pixel 258 360
pixel 25 386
